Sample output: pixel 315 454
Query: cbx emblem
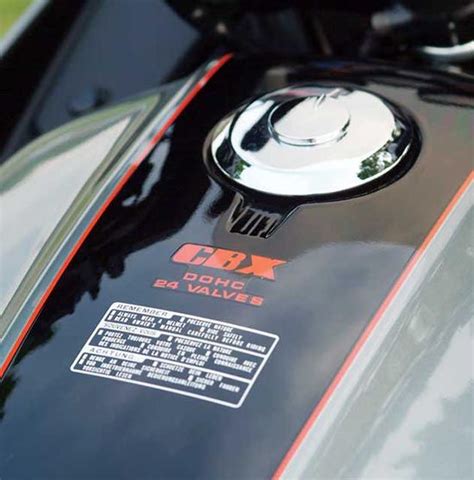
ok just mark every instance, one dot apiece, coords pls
pixel 222 259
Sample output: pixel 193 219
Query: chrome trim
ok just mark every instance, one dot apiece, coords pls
pixel 457 53
pixel 315 120
pixel 310 140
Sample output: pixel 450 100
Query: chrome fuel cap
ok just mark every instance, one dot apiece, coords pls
pixel 311 140
pixel 312 120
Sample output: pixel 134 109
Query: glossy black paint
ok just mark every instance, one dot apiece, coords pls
pixel 343 257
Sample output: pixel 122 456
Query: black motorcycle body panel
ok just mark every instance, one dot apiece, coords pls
pixel 342 258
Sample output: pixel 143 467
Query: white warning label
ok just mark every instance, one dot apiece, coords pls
pixel 194 356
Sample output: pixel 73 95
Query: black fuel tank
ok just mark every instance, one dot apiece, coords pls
pixel 209 309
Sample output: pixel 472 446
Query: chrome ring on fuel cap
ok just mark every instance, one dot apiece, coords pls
pixel 311 140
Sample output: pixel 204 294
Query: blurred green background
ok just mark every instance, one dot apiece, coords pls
pixel 10 11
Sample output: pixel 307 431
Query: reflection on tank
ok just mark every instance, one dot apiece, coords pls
pixel 132 222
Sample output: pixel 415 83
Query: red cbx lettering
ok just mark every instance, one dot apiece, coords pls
pixel 222 259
